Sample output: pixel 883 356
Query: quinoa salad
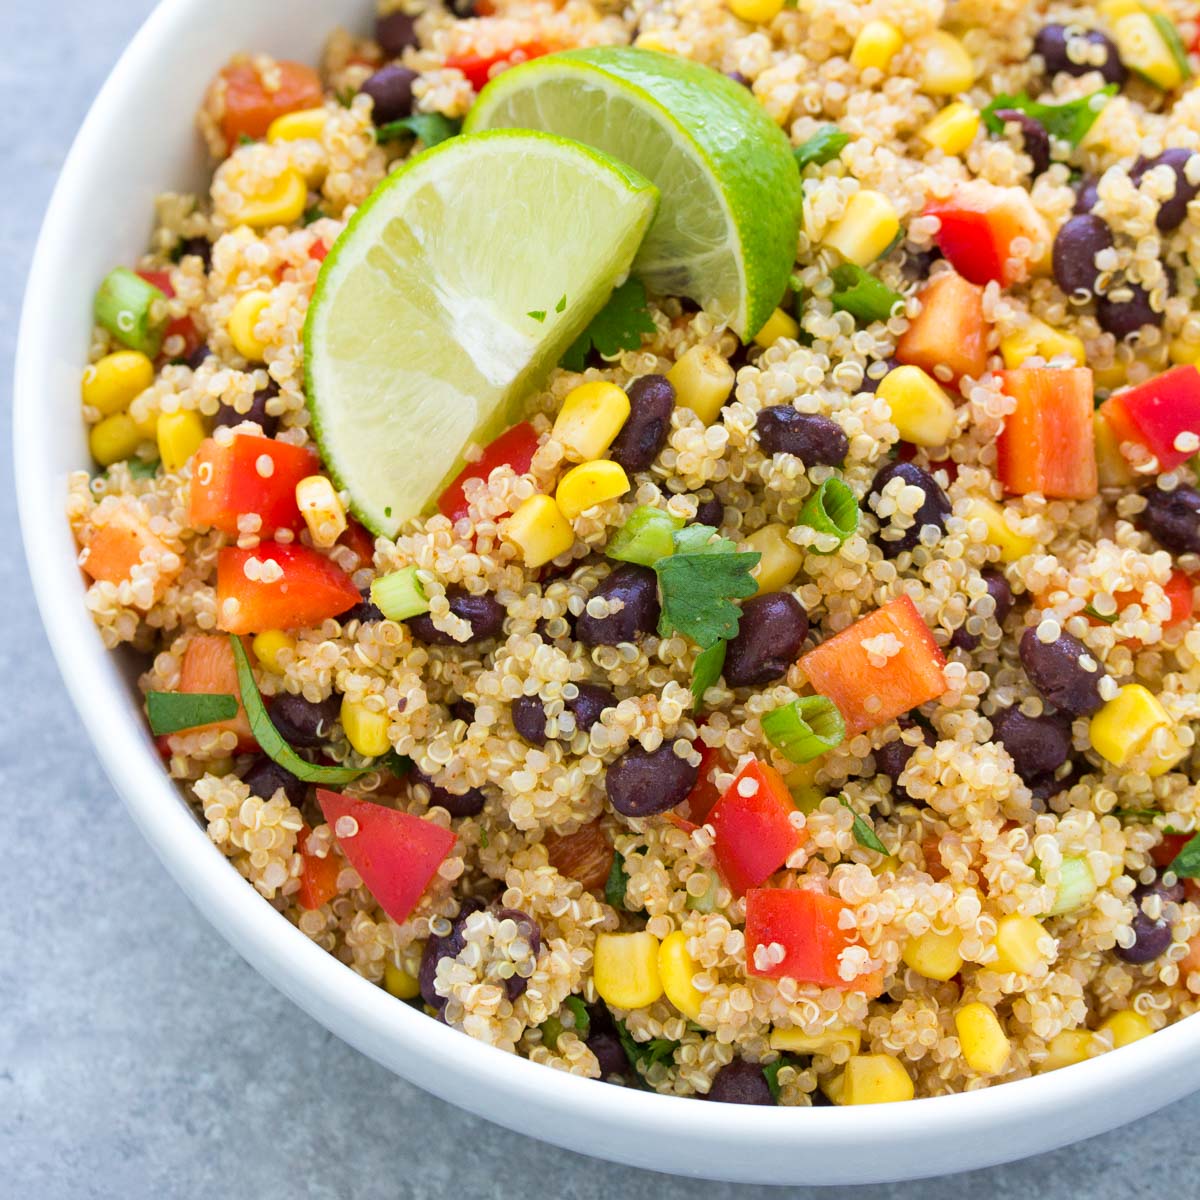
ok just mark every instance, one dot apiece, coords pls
pixel 666 536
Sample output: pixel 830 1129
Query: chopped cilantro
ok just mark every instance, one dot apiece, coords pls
pixel 169 712
pixel 583 1022
pixel 484 840
pixel 863 296
pixel 1091 612
pixel 618 881
pixel 1070 122
pixel 864 835
pixel 140 468
pixel 771 1072
pixel 311 214
pixel 698 584
pixel 619 325
pixel 398 764
pixel 345 96
pixel 823 147
pixel 1142 815
pixel 1186 864
pixel 643 1055
pixel 431 128
pixel 244 139
pixel 706 670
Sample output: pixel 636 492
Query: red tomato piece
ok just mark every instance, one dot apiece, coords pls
pixel 1164 853
pixel 950 330
pixel 513 448
pixel 245 102
pixel 478 68
pixel 1180 592
pixel 318 250
pixel 160 280
pixel 318 876
pixel 705 793
pixel 1155 413
pixel 1048 442
pixel 251 474
pixel 752 822
pixel 981 226
pixel 868 695
pixel 310 589
pixel 208 667
pixel 395 853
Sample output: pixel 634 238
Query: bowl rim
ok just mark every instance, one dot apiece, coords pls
pixel 363 1013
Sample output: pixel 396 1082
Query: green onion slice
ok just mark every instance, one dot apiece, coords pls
pixel 270 740
pixel 647 535
pixel 863 296
pixel 832 508
pixel 431 128
pixel 399 595
pixel 823 147
pixel 864 835
pixel 169 712
pixel 126 306
pixel 805 729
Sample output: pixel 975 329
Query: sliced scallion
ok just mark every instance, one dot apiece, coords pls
pixel 1076 886
pixel 706 670
pixel 823 147
pixel 169 712
pixel 863 296
pixel 805 729
pixel 132 310
pixel 647 535
pixel 706 902
pixel 399 595
pixel 831 509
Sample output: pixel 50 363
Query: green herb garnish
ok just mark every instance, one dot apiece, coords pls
pixel 706 670
pixel 345 96
pixel 831 509
pixel 1069 122
pixel 140 468
pixel 647 535
pixel 618 326
pixel 823 147
pixel 864 835
pixel 863 296
pixel 698 583
pixel 805 729
pixel 244 139
pixel 583 1022
pixel 311 214
pixel 169 712
pixel 1170 35
pixel 1186 864
pixel 1091 612
pixel 431 128
pixel 617 882
pixel 1144 815
pixel 643 1055
pixel 771 1072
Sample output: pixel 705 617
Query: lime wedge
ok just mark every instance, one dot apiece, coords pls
pixel 451 293
pixel 726 229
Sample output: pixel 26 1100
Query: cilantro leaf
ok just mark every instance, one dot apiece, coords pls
pixel 1186 864
pixel 771 1072
pixel 864 835
pixel 431 128
pixel 699 539
pixel 398 764
pixel 583 1020
pixel 643 1055
pixel 617 882
pixel 697 593
pixel 706 670
pixel 311 214
pixel 1108 620
pixel 823 147
pixel 139 468
pixel 1070 122
pixel 169 712
pixel 860 294
pixel 619 325
pixel 1142 815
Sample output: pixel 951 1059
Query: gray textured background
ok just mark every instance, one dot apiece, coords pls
pixel 139 1056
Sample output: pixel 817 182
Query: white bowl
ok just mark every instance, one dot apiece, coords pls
pixel 138 140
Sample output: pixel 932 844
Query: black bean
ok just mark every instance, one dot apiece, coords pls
pixel 588 706
pixel 1001 593
pixel 1087 194
pixel 644 782
pixel 1060 672
pixel 462 8
pixel 1037 745
pixel 228 415
pixel 396 33
pixel 265 778
pixel 391 89
pixel 365 611
pixel 1034 137
pixel 892 757
pixel 770 633
pixel 1152 935
pixel 529 719
pixel 201 247
pixel 1128 315
pixel 448 945
pixel 1075 248
pixel 644 434
pixel 198 356
pixel 637 588
pixel 1051 44
pixel 709 512
pixel 919 262
pixel 1172 518
pixel 609 1052
pixel 1174 211
pixel 458 804
pixel 933 511
pixel 740 1082
pixel 485 614
pixel 815 440
pixel 303 723
pixel 960 639
pixel 463 710
pixel 531 931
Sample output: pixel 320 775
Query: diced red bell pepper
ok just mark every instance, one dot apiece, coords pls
pixel 950 330
pixel 310 589
pixel 160 280
pixel 181 327
pixel 251 474
pixel 359 542
pixel 245 104
pixel 705 793
pixel 1163 855
pixel 208 667
pixel 318 876
pixel 1178 590
pixel 478 68
pixel 1154 414
pixel 1048 443
pixel 752 823
pixel 514 448
pixel 117 546
pixel 807 925
pixel 867 694
pixel 395 854
pixel 318 250
pixel 981 225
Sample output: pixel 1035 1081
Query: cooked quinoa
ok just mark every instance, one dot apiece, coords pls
pixel 952 838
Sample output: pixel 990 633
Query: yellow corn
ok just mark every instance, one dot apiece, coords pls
pixel 653 39
pixel 1012 545
pixel 589 484
pixel 1018 943
pixel 1126 1027
pixel 1112 10
pixel 920 408
pixel 179 435
pixel 1111 467
pixel 934 954
pixel 243 317
pixel 796 1041
pixel 281 204
pixel 269 645
pixel 114 439
pixel 757 12
pixel 946 65
pixel 779 325
pixel 676 969
pixel 591 416
pixel 307 124
pixel 953 129
pixel 1185 353
pixel 1038 338
pixel 875 1079
pixel 876 45
pixel 1069 1047
pixel 867 228
pixel 400 983
pixel 322 509
pixel 702 380
pixel 539 530
pixel 117 379
pixel 625 969
pixel 366 731
pixel 834 1088
pixel 1144 49
pixel 780 559
pixel 1108 379
pixel 984 1043
pixel 1124 727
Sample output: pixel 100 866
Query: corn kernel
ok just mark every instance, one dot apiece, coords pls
pixel 702 380
pixel 269 645
pixel 984 1043
pixel 1038 338
pixel 1123 727
pixel 539 530
pixel 780 560
pixel 1113 10
pixel 1144 49
pixel 876 46
pixel 625 969
pixel 1185 353
pixel 1108 379
pixel 110 385
pixel 365 730
pixel 795 1041
pixel 589 484
pixel 1112 469
pixel 834 1087
pixel 243 317
pixel 1069 1047
pixel 591 416
pixel 653 39
pixel 322 509
pixel 920 408
pixel 953 130
pixel 757 12
pixel 179 436
pixel 1018 943
pixel 1012 545
pixel 114 439
pixel 306 124
pixel 876 1079
pixel 934 954
pixel 400 983
pixel 1126 1028
pixel 946 65
pixel 867 228
pixel 676 969
pixel 282 203
pixel 779 325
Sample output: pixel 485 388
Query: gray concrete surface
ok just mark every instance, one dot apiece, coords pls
pixel 139 1056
